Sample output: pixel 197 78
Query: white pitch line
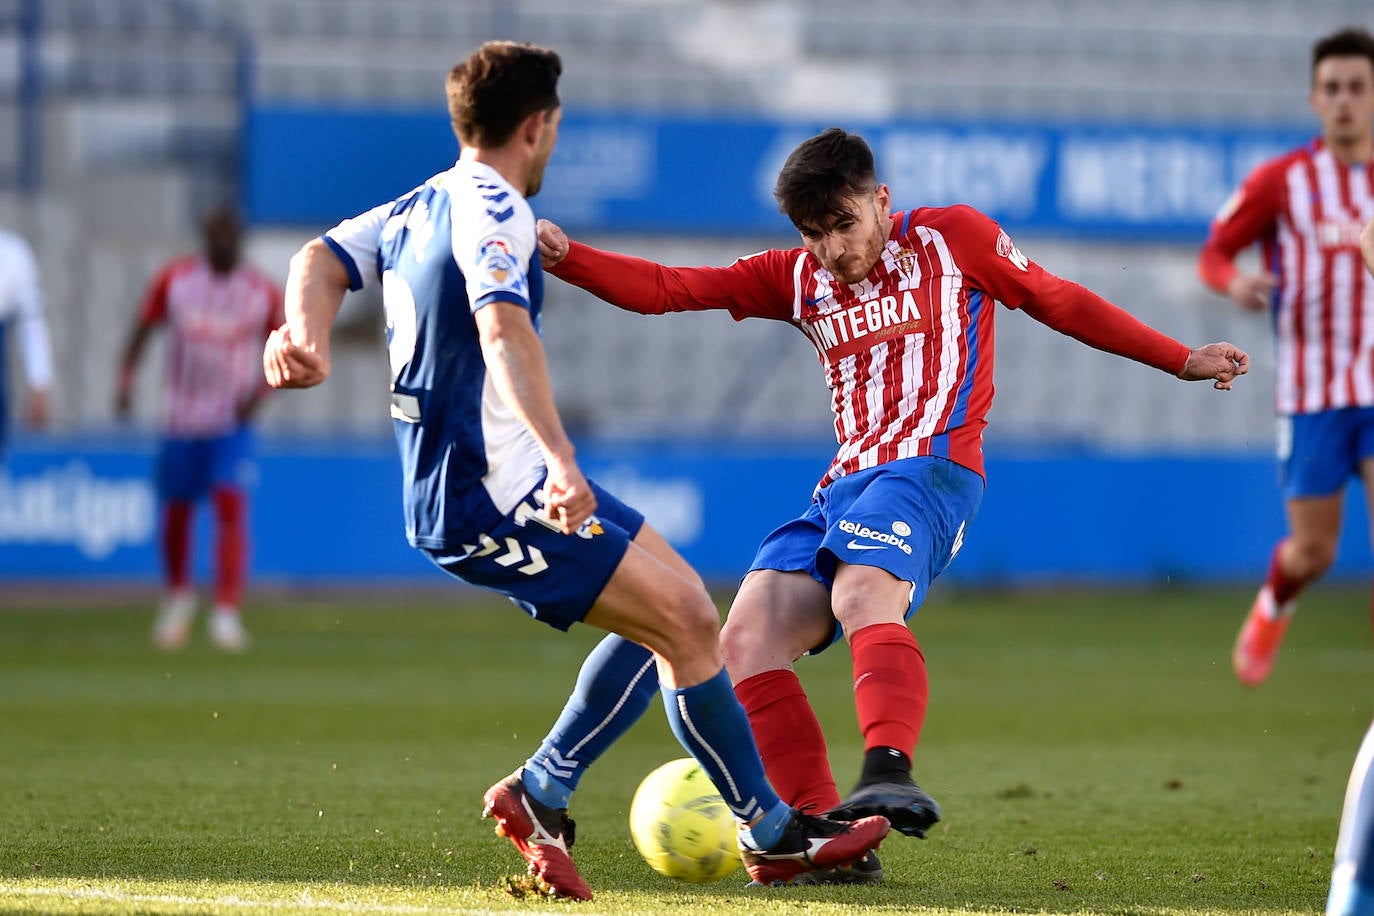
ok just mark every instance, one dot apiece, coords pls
pixel 305 902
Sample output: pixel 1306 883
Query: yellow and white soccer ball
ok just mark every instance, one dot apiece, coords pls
pixel 681 826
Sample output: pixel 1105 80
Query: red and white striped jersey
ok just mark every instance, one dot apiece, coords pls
pixel 1306 208
pixel 907 352
pixel 217 325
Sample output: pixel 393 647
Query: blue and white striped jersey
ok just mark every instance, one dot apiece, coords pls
pixel 460 241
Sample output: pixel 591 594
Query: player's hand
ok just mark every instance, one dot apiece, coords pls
pixel 287 365
pixel 1222 362
pixel 568 498
pixel 553 242
pixel 1252 292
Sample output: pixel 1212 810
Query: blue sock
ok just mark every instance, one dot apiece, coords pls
pixel 712 726
pixel 614 688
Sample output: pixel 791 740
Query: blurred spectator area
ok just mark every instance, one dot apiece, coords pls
pixel 141 104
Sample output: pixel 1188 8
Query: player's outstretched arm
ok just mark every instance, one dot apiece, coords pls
pixel 297 353
pixel 1222 362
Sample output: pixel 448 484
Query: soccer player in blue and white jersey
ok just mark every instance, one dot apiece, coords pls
pixel 493 493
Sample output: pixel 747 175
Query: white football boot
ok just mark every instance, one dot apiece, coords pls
pixel 226 630
pixel 173 625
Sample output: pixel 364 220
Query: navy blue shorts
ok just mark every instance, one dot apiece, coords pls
pixel 1320 452
pixel 908 517
pixel 188 469
pixel 553 577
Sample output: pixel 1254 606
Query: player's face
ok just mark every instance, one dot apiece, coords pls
pixel 1343 98
pixel 223 236
pixel 849 245
pixel 543 149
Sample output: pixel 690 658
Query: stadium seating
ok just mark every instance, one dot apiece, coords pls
pixel 148 88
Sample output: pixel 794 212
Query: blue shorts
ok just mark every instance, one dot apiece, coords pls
pixel 1320 452
pixel 188 469
pixel 907 517
pixel 553 577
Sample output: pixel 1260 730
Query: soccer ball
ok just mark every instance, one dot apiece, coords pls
pixel 681 826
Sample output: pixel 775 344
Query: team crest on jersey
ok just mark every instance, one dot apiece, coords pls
pixel 905 259
pixel 1006 249
pixel 495 258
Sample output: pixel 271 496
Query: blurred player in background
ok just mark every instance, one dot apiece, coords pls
pixel 900 309
pixel 1306 209
pixel 493 493
pixel 1352 879
pixel 21 306
pixel 218 311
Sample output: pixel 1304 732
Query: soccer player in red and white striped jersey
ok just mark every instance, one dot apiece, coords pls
pixel 218 311
pixel 900 308
pixel 1306 209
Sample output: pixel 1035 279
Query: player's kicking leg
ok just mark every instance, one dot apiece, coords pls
pixel 775 618
pixel 680 625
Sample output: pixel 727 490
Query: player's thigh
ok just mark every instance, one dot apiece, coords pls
pixel 892 538
pixel 777 617
pixel 657 545
pixel 554 577
pixel 868 595
pixel 1314 526
pixel 1367 477
pixel 647 602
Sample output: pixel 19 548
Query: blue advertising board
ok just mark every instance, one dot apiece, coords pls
pixel 686 174
pixel 330 513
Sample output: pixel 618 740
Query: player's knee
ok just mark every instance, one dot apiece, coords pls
pixel 860 606
pixel 1313 557
pixel 691 620
pixel 740 644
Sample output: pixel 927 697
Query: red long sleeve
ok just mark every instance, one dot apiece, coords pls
pixel 1248 216
pixel 756 286
pixel 1084 315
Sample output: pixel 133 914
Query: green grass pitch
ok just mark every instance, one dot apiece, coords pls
pixel 1090 749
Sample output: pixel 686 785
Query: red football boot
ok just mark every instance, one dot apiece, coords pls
pixel 542 834
pixel 809 842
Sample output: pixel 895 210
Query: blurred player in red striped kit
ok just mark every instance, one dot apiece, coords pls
pixel 218 311
pixel 900 307
pixel 1306 209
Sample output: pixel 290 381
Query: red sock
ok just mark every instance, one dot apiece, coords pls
pixel 890 686
pixel 1283 588
pixel 176 544
pixel 232 548
pixel 790 739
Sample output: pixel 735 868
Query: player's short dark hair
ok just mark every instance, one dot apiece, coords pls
pixel 820 173
pixel 500 85
pixel 1351 42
